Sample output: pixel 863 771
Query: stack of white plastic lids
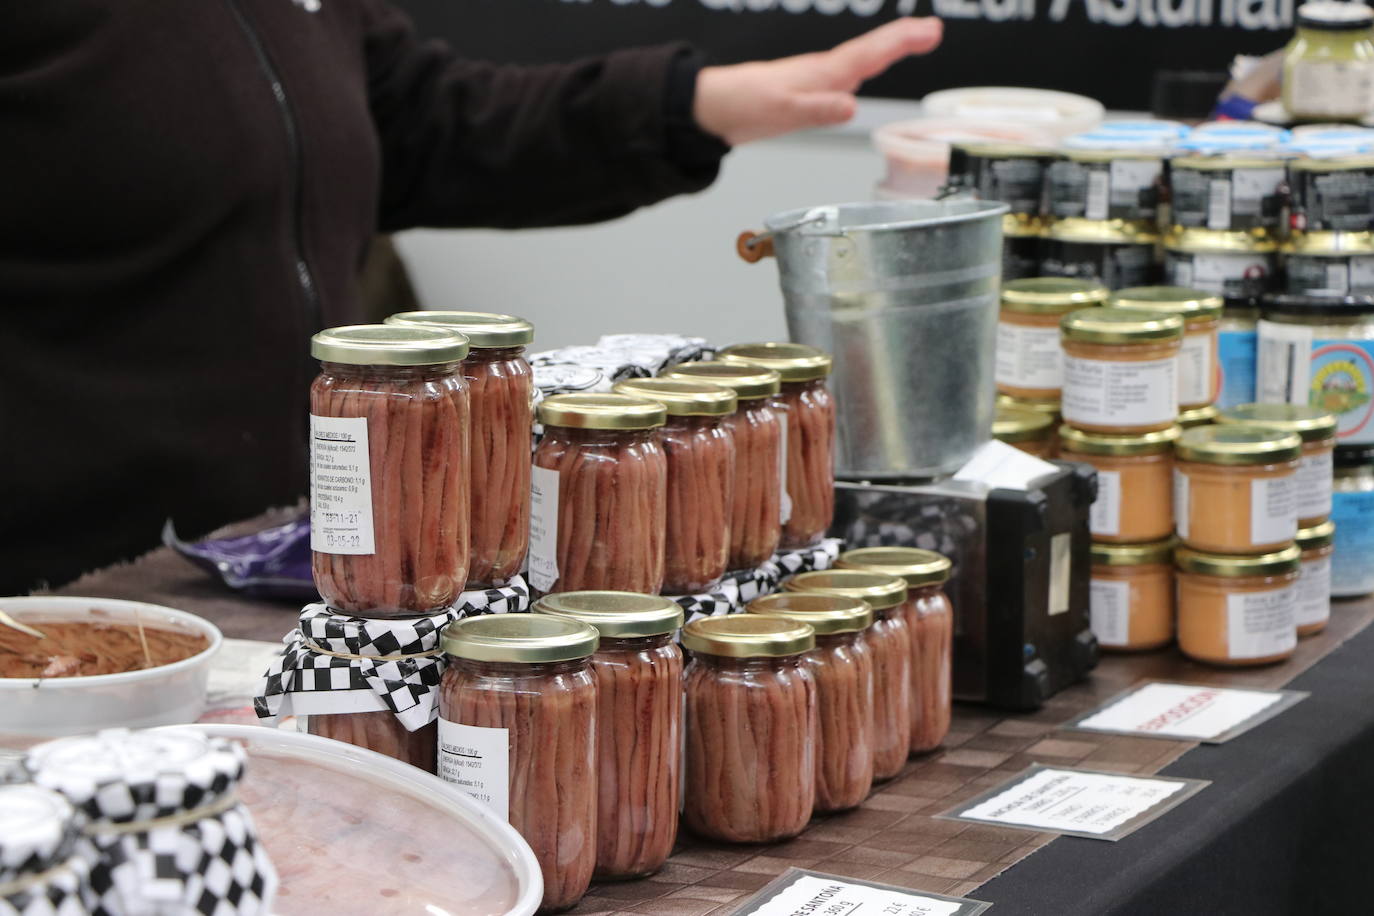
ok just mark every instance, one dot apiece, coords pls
pixel 39 872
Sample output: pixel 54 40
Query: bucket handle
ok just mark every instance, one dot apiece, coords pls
pixel 755 246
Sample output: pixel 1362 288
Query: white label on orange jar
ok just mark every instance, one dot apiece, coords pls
pixel 1105 515
pixel 1314 592
pixel 1313 482
pixel 1181 498
pixel 543 528
pixel 1029 357
pixel 1103 392
pixel 1195 369
pixel 340 486
pixel 1273 509
pixel 1109 607
pixel 477 761
pixel 1261 624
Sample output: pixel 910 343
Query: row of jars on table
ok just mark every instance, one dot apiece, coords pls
pixel 569 721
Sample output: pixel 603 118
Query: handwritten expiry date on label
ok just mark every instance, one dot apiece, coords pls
pixel 477 761
pixel 813 896
pixel 340 486
pixel 1072 800
pixel 1181 711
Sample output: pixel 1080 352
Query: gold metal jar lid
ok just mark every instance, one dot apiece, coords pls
pixel 1317 537
pixel 682 398
pixel 1238 445
pixel 1104 231
pixel 1049 406
pixel 1211 241
pixel 749 382
pixel 827 614
pixel 1198 416
pixel 615 615
pixel 1017 424
pixel 1227 161
pixel 1153 553
pixel 485 330
pixel 794 362
pixel 1051 295
pixel 1312 424
pixel 1000 149
pixel 1233 566
pixel 529 638
pixel 388 345
pixel 1192 304
pixel 1087 443
pixel 1332 164
pixel 601 411
pixel 748 636
pixel 882 589
pixel 1329 243
pixel 1120 326
pixel 915 566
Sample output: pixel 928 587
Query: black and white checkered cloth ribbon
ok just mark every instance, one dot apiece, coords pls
pixel 724 599
pixel 512 597
pixel 63 890
pixel 821 556
pixel 40 873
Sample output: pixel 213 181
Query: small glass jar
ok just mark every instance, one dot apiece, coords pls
pixel 599 495
pixel 1031 431
pixel 1237 610
pixel 1198 416
pixel 1234 488
pixel 1237 352
pixel 1312 611
pixel 700 454
pixel 752 723
pixel 1121 369
pixel 518 732
pixel 758 428
pixel 1029 356
pixel 638 672
pixel 889 643
pixel 1317 430
pixel 1049 408
pixel 1131 595
pixel 1197 355
pixel 1352 509
pixel 389 469
pixel 501 389
pixel 1135 478
pixel 808 445
pixel 1328 67
pixel 41 871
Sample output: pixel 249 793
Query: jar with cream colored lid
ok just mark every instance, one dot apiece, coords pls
pixel 1135 478
pixel 1029 357
pixel 1131 595
pixel 1328 66
pixel 1029 430
pixel 750 696
pixel 1198 416
pixel 1317 430
pixel 1197 356
pixel 1235 488
pixel 1312 609
pixel 1237 610
pixel 1121 369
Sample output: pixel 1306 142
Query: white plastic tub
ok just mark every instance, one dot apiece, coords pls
pixel 917 151
pixel 1058 113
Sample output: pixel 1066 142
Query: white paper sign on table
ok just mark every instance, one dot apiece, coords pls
pixel 798 891
pixel 1187 712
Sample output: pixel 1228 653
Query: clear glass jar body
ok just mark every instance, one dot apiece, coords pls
pixel 1352 567
pixel 931 619
pixel 889 643
pixel 1312 611
pixel 612 508
pixel 639 753
pixel 1135 496
pixel 1132 607
pixel 1120 388
pixel 1221 508
pixel 549 711
pixel 1030 358
pixel 700 456
pixel 1214 613
pixel 756 507
pixel 843 668
pixel 1328 74
pixel 418 451
pixel 751 748
pixel 380 732
pixel 1198 358
pixel 1313 482
pixel 501 387
pixel 809 459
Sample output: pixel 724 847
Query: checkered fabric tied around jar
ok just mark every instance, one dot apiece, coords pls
pixel 40 872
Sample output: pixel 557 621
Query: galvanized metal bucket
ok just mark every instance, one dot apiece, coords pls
pixel 904 296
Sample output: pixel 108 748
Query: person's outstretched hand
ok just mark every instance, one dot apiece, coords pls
pixel 762 99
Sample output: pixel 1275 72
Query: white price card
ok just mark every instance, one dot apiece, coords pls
pixel 798 892
pixel 1186 712
pixel 1086 803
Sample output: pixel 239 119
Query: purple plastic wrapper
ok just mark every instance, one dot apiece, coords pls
pixel 273 563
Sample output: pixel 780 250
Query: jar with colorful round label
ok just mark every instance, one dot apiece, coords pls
pixel 1233 191
pixel 1237 610
pixel 1237 344
pixel 1313 607
pixel 1197 357
pixel 1235 488
pixel 1352 511
pixel 1121 369
pixel 1328 66
pixel 1230 264
pixel 1131 595
pixel 1029 356
pixel 1134 482
pixel 1317 430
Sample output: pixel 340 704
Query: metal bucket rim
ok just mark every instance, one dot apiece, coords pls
pixel 789 222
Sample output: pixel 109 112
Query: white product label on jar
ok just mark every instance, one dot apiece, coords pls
pixel 1061 570
pixel 1029 357
pixel 1109 607
pixel 1334 89
pixel 477 761
pixel 1260 624
pixel 1099 192
pixel 1313 483
pixel 340 486
pixel 1314 592
pixel 543 556
pixel 1361 272
pixel 1181 498
pixel 1105 515
pixel 1130 177
pixel 1216 273
pixel 1102 392
pixel 1284 367
pixel 784 501
pixel 1273 509
pixel 1219 203
pixel 1196 371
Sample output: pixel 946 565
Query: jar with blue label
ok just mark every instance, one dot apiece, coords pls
pixel 1352 509
pixel 1237 339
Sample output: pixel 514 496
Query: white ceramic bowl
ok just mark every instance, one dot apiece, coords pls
pixel 165 695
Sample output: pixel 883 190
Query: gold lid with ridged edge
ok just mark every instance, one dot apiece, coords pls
pixel 1150 554
pixel 827 614
pixel 793 362
pixel 601 411
pixel 1312 424
pixel 1213 241
pixel 1120 326
pixel 748 636
pixel 484 330
pixel 1192 304
pixel 388 345
pixel 748 382
pixel 1049 406
pixel 1198 416
pixel 682 398
pixel 913 565
pixel 1017 424
pixel 615 615
pixel 1237 445
pixel 1089 443
pixel 1232 566
pixel 880 588
pixel 520 638
pixel 1051 295
pixel 1316 537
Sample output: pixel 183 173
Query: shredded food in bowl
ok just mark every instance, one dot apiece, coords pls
pixel 84 648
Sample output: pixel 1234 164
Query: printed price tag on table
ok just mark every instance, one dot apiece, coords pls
pixel 811 893
pixel 1186 712
pixel 1086 803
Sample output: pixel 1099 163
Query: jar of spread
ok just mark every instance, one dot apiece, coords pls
pixel 750 698
pixel 1352 509
pixel 1049 408
pixel 599 496
pixel 1121 369
pixel 40 869
pixel 1135 478
pixel 389 469
pixel 1328 262
pixel 758 427
pixel 1198 416
pixel 638 673
pixel 501 392
pixel 1328 67
pixel 1235 488
pixel 1115 253
pixel 1237 352
pixel 1197 356
pixel 1104 176
pixel 842 666
pixel 1329 190
pixel 1237 610
pixel 1011 173
pixel 700 455
pixel 1312 609
pixel 1228 185
pixel 1029 430
pixel 808 443
pixel 1131 595
pixel 889 642
pixel 1317 430
pixel 1029 357
pixel 518 732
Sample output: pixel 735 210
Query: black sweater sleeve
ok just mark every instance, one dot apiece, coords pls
pixel 467 143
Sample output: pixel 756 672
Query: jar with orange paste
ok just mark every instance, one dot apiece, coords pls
pixel 1198 416
pixel 1317 430
pixel 1120 369
pixel 1234 488
pixel 1131 595
pixel 1197 356
pixel 1135 476
pixel 1048 407
pixel 1029 357
pixel 1029 430
pixel 1237 610
pixel 1312 610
